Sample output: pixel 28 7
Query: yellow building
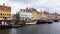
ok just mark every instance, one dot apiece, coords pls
pixel 5 12
pixel 59 16
pixel 42 14
pixel 34 15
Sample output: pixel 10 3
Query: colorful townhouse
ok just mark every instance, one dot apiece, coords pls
pixel 34 14
pixel 25 14
pixel 43 14
pixel 5 12
pixel 58 16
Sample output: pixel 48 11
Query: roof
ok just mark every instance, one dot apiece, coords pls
pixel 34 10
pixel 28 10
pixel 4 7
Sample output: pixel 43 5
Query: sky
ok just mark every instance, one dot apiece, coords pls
pixel 48 5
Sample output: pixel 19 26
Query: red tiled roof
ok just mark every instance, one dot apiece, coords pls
pixel 4 7
pixel 28 10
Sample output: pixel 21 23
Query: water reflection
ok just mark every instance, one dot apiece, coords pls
pixel 4 31
pixel 13 31
pixel 53 28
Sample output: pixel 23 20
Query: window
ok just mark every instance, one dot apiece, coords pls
pixel 1 13
pixel 3 17
pixel 5 14
pixel 9 14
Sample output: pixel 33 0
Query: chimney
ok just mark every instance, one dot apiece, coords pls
pixel 26 7
pixel 21 9
pixel 3 4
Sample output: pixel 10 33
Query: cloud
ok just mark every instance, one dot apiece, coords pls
pixel 2 1
pixel 38 4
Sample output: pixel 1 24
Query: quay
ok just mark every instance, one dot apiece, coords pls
pixel 15 24
pixel 8 24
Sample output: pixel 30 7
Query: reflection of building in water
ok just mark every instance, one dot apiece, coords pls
pixel 5 11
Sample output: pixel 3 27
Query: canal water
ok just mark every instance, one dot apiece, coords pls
pixel 53 28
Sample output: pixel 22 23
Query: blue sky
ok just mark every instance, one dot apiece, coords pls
pixel 49 5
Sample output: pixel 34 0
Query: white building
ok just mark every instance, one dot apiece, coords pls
pixel 25 15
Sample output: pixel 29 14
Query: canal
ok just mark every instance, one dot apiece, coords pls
pixel 53 28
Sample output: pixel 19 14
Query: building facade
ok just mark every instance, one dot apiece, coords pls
pixel 34 14
pixel 43 15
pixel 59 16
pixel 24 14
pixel 38 16
pixel 5 12
pixel 52 16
